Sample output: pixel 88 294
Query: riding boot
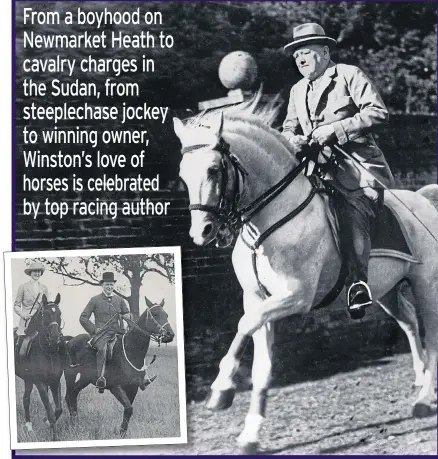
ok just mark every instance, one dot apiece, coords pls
pixel 101 361
pixel 356 217
pixel 18 344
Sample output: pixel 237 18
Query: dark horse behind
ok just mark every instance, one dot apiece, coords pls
pixel 44 363
pixel 125 370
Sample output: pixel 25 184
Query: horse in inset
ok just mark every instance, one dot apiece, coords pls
pixel 245 182
pixel 125 368
pixel 43 363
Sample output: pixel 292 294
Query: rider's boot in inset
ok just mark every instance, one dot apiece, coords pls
pixel 101 363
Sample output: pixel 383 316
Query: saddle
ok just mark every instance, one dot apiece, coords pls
pixel 94 342
pixel 390 237
pixel 23 346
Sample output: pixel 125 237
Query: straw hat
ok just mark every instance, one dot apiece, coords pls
pixel 35 266
pixel 310 33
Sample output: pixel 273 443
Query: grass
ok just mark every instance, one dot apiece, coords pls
pixel 156 410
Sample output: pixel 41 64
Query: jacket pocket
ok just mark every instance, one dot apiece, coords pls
pixel 340 103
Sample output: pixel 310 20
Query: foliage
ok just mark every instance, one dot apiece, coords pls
pixel 88 270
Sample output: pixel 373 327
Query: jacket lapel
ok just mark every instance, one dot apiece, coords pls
pixel 325 82
pixel 301 106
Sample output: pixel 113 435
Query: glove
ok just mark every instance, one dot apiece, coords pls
pixel 310 151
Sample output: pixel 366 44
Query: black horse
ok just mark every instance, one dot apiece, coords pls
pixel 125 369
pixel 44 363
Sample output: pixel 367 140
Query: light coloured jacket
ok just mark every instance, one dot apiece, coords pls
pixel 349 101
pixel 26 300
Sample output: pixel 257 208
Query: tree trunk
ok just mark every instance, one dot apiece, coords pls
pixel 134 299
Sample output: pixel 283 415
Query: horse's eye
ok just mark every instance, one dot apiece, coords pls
pixel 213 171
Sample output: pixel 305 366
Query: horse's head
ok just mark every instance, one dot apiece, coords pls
pixel 156 321
pixel 47 320
pixel 206 171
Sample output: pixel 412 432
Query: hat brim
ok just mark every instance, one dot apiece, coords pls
pixel 330 42
pixel 29 271
pixel 102 281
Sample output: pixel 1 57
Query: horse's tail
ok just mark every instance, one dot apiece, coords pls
pixel 430 192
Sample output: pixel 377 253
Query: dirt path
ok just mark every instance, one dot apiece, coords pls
pixel 367 411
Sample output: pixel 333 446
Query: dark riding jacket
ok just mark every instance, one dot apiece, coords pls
pixel 348 100
pixel 106 312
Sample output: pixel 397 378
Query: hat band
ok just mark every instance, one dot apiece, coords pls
pixel 311 35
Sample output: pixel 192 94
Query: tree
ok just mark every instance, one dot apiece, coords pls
pixel 88 270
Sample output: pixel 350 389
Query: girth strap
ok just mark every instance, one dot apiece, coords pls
pixel 339 285
pixel 269 231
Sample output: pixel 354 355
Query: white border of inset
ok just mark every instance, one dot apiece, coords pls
pixel 176 251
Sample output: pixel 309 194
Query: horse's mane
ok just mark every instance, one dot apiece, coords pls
pixel 254 112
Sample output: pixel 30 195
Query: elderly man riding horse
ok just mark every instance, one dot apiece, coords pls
pixel 337 104
pixel 109 310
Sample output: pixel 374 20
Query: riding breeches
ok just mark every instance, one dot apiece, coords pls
pixel 356 215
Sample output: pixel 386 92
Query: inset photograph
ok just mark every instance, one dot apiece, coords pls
pixel 95 348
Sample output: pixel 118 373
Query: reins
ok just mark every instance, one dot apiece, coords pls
pixel 226 209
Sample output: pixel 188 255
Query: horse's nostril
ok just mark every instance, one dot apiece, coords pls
pixel 207 230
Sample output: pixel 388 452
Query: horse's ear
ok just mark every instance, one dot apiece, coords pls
pixel 217 125
pixel 44 299
pixel 148 303
pixel 58 298
pixel 162 303
pixel 178 127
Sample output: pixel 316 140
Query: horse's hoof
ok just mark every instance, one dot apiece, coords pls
pixel 29 427
pixel 250 449
pixel 220 399
pixel 422 410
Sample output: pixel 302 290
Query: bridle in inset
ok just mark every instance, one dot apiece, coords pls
pixel 46 328
pixel 157 337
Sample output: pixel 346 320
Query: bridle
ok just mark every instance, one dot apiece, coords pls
pixel 157 337
pixel 46 328
pixel 232 188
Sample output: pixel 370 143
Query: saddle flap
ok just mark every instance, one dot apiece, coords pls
pixel 26 345
pixel 390 238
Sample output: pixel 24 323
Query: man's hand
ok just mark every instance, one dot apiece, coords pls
pixel 26 316
pixel 127 316
pixel 324 134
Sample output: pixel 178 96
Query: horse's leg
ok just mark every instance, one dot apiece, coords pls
pixel 261 378
pixel 425 290
pixel 131 391
pixel 56 394
pixel 44 394
pixel 121 396
pixel 223 388
pixel 261 312
pixel 74 384
pixel 28 386
pixel 397 306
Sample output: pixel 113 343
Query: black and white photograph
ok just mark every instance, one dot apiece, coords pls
pixel 289 150
pixel 96 348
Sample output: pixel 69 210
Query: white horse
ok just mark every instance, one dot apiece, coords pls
pixel 229 162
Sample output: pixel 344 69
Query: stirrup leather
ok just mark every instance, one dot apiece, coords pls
pixel 359 305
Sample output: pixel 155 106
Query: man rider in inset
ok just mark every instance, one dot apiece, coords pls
pixel 108 310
